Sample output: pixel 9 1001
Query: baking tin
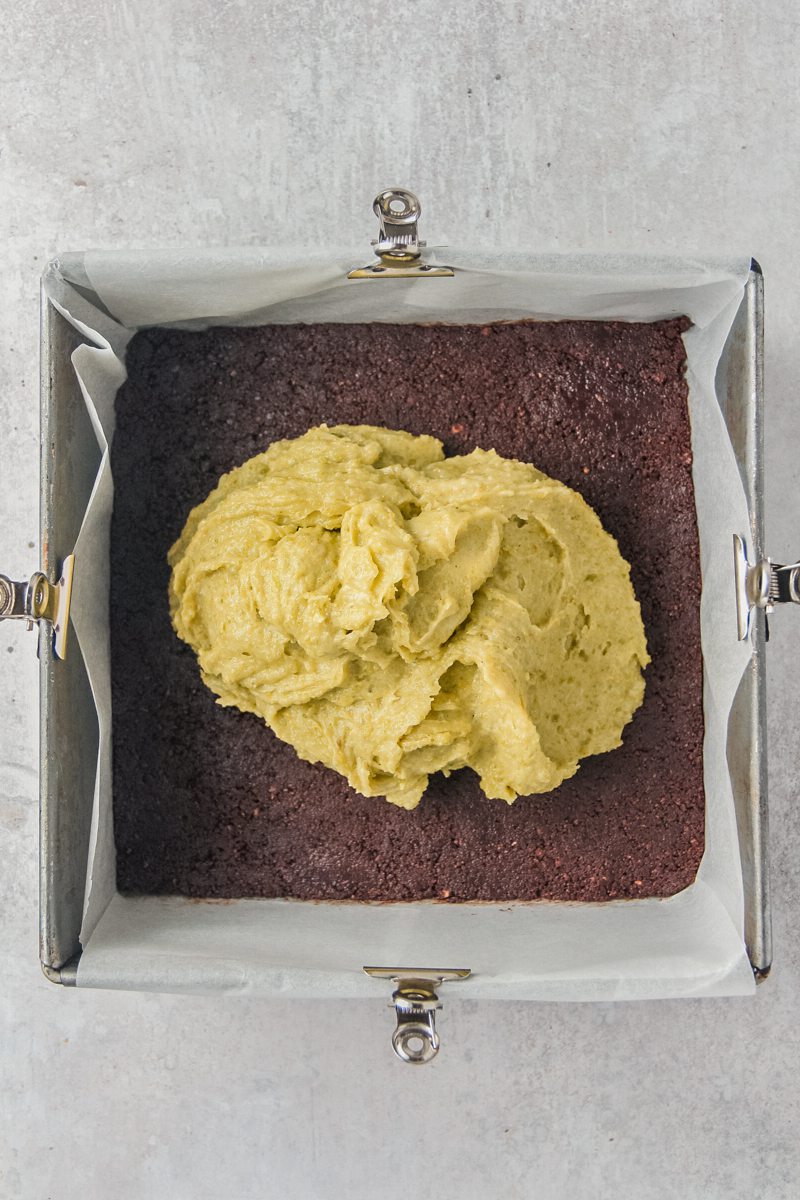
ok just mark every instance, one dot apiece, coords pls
pixel 69 462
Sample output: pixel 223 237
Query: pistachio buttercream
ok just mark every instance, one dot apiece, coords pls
pixel 391 612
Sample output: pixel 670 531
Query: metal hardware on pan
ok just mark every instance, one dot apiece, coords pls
pixel 398 247
pixel 415 1002
pixel 398 211
pixel 761 585
pixel 40 600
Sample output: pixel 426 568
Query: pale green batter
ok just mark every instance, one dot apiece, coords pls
pixel 392 613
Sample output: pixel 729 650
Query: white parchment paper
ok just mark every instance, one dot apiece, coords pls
pixel 688 945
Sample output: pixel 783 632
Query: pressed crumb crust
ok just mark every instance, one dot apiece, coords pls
pixel 208 802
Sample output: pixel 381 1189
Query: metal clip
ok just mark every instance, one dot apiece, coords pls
pixel 761 585
pixel 398 247
pixel 39 600
pixel 415 1002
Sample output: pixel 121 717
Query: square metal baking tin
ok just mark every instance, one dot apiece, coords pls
pixel 69 735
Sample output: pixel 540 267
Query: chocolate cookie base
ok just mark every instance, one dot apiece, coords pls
pixel 208 802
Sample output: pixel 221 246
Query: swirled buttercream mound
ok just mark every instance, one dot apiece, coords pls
pixel 391 612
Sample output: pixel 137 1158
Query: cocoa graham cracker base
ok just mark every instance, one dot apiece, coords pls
pixel 209 803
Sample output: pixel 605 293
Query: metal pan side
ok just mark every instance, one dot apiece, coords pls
pixel 68 734
pixel 740 388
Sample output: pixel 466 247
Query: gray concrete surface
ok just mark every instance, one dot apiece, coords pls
pixel 624 125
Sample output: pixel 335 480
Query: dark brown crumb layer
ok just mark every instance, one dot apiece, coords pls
pixel 207 802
